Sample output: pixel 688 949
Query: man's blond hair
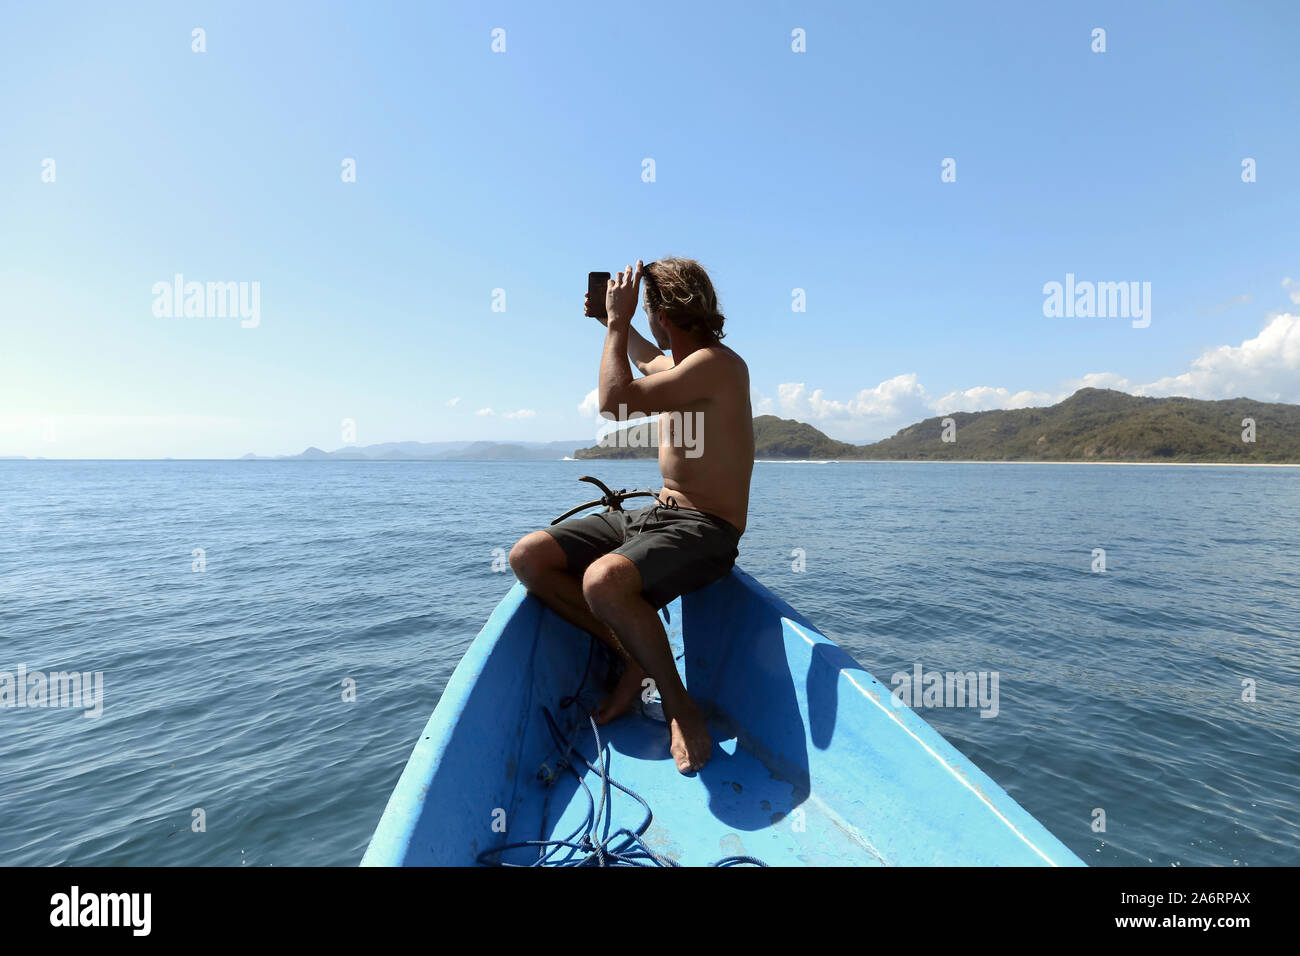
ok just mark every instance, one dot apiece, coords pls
pixel 681 292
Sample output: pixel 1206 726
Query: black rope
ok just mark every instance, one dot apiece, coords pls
pixel 622 847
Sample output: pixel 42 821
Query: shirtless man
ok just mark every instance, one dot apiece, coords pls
pixel 610 573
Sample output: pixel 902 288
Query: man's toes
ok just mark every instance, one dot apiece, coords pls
pixel 689 762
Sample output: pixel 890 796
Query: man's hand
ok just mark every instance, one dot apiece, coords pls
pixel 621 296
pixel 586 309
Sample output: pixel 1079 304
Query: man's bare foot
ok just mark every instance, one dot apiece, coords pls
pixel 691 744
pixel 622 697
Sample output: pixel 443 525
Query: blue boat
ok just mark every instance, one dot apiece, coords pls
pixel 814 763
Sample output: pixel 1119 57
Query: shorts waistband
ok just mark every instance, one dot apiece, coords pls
pixel 672 505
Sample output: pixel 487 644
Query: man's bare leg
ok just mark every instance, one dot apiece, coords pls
pixel 541 565
pixel 612 589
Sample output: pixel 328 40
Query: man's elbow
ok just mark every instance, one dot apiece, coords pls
pixel 614 405
pixel 660 363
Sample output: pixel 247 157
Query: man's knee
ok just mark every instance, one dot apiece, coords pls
pixel 535 554
pixel 609 581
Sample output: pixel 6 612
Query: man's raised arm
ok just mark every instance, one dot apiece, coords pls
pixel 618 393
pixel 645 355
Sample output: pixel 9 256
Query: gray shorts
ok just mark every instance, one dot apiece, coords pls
pixel 676 550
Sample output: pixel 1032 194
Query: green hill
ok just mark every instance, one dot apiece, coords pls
pixel 1091 425
pixel 773 438
pixel 635 441
pixel 1104 425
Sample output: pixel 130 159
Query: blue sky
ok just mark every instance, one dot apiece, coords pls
pixel 522 171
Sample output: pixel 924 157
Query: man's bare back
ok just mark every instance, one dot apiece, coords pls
pixel 707 459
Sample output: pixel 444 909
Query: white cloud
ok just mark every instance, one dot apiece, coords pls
pixel 1289 283
pixel 521 413
pixel 985 397
pixel 1266 367
pixel 589 406
pixel 872 413
pixel 454 402
pixel 1094 380
pixel 897 397
pixel 889 406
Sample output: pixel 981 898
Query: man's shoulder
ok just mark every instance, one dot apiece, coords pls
pixel 737 365
pixel 718 357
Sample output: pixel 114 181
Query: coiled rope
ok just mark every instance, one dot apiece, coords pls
pixel 622 847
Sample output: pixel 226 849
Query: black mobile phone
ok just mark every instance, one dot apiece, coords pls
pixel 597 283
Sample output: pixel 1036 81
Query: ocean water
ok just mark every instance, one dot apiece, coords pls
pixel 224 687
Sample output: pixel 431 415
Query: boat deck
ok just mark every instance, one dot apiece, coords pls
pixel 735 806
